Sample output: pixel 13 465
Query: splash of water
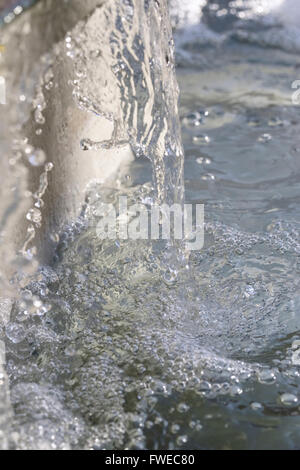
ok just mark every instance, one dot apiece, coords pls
pixel 126 50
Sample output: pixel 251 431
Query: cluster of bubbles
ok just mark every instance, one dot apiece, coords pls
pixel 136 355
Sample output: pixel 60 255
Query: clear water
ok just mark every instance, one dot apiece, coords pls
pixel 144 348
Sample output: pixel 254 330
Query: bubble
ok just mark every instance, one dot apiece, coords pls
pixel 266 376
pixel 288 399
pixel 28 150
pixel 255 406
pixel 208 177
pixel 181 440
pixel 15 333
pixel 204 387
pixel 38 116
pixel 264 138
pixel 195 425
pixel 37 157
pixel 203 161
pixel 170 276
pixel 235 390
pixel 249 292
pixel 35 216
pixel 175 428
pixel 201 139
pixel 183 408
pixel 193 120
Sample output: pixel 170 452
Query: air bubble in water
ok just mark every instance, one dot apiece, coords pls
pixel 288 399
pixel 192 120
pixel 15 333
pixel 49 166
pixel 170 276
pixel 37 157
pixel 28 150
pixel 175 429
pixel 201 139
pixel 181 440
pixel 235 390
pixel 203 161
pixel 38 116
pixel 256 406
pixel 266 376
pixel 183 408
pixel 208 177
pixel 264 138
pixel 204 387
pixel 35 216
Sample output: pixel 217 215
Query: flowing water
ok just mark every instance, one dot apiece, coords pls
pixel 139 346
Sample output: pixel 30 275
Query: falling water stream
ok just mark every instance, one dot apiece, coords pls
pixel 139 345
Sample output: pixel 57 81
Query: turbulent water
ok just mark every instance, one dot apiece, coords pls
pixel 145 347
